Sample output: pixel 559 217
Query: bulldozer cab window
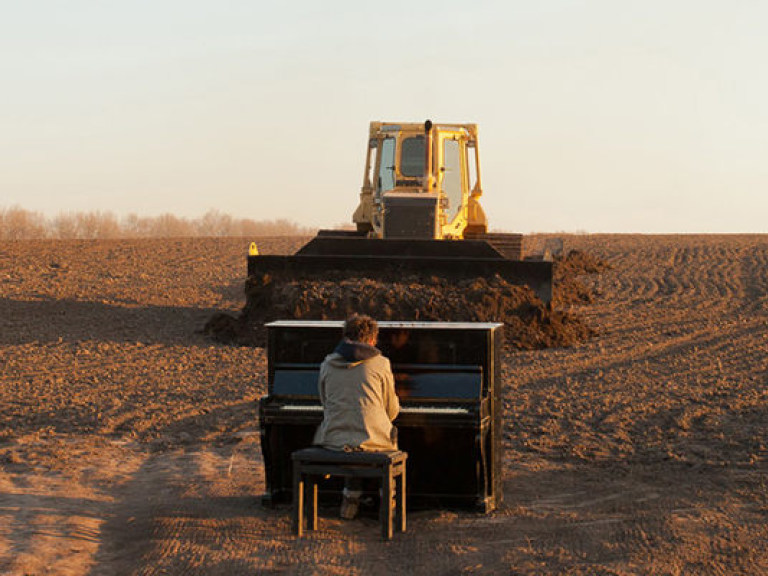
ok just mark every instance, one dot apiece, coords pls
pixel 386 180
pixel 471 161
pixel 412 157
pixel 452 177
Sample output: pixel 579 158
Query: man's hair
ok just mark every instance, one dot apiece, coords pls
pixel 361 328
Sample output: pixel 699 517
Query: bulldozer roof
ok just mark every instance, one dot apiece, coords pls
pixel 470 129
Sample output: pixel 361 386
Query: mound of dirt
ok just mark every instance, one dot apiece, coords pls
pixel 529 324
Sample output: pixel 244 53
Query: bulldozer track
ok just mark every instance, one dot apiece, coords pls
pixel 509 245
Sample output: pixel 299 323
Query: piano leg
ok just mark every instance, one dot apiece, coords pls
pixel 486 501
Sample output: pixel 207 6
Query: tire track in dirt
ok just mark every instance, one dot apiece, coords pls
pixel 732 349
pixel 681 366
pixel 115 271
pixel 133 390
pixel 50 520
pixel 204 518
pixel 677 276
pixel 693 267
pixel 754 275
pixel 613 405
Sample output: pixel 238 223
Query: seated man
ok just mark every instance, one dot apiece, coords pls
pixel 357 390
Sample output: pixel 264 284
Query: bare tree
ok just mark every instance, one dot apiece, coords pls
pixel 19 224
pixel 64 226
pixel 134 226
pixel 214 223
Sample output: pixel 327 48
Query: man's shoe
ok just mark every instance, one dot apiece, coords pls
pixel 349 507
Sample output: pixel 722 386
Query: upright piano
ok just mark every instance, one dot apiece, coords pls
pixel 447 378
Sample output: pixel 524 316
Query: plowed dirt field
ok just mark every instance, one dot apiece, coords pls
pixel 129 441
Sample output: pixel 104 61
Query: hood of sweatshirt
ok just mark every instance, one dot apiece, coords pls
pixel 350 353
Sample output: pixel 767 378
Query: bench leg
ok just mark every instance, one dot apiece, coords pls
pixel 401 496
pixel 298 501
pixel 385 508
pixel 312 512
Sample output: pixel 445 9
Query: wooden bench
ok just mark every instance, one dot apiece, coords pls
pixel 312 464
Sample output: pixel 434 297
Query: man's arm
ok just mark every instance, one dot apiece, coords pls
pixel 321 384
pixel 391 402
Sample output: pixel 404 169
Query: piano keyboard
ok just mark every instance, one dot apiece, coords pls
pixel 301 408
pixel 403 410
pixel 433 410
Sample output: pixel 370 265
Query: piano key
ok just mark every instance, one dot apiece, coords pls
pixel 403 409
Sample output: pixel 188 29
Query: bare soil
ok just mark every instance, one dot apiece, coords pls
pixel 129 440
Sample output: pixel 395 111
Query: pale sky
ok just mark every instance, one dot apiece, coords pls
pixel 594 115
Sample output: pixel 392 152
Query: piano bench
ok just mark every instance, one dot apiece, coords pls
pixel 314 462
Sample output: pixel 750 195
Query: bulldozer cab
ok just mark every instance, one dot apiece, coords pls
pixel 421 181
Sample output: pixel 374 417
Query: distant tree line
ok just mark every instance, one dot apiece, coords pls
pixel 20 224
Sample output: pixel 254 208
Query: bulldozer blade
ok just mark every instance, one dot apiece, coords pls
pixel 374 258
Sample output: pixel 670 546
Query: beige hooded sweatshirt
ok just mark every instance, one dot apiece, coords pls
pixel 357 391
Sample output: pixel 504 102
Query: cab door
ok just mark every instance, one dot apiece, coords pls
pixel 451 182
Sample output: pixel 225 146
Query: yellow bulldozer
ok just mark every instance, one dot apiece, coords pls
pixel 419 212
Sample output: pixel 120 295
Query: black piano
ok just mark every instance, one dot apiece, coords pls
pixel 447 377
